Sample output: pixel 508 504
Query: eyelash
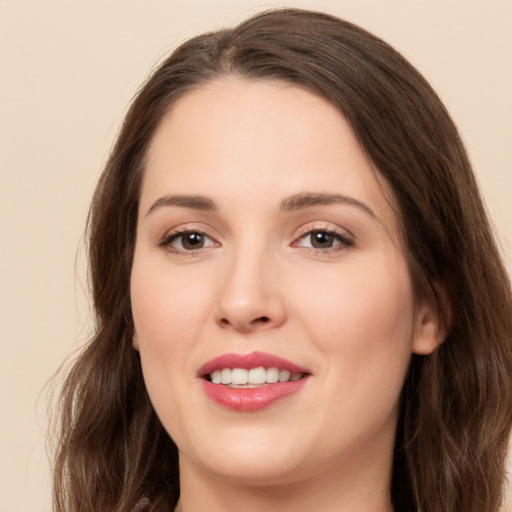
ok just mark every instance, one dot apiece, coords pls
pixel 168 239
pixel 344 241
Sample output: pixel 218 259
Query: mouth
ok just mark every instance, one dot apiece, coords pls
pixel 251 382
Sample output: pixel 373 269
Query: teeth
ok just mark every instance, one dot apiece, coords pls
pixel 239 377
pixel 272 375
pixel 225 376
pixel 257 375
pixel 284 376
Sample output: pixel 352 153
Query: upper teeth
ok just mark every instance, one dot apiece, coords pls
pixel 254 376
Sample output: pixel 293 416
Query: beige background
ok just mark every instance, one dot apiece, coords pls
pixel 67 72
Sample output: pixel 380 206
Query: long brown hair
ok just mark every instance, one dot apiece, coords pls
pixel 456 407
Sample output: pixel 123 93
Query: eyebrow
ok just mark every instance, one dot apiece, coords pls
pixel 295 202
pixel 184 201
pixel 307 200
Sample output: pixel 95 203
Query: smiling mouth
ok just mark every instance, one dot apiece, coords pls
pixel 253 377
pixel 251 382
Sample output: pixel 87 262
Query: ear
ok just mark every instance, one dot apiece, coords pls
pixel 135 341
pixel 431 330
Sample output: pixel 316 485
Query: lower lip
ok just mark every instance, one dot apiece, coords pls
pixel 251 399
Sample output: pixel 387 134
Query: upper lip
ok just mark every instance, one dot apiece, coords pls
pixel 248 361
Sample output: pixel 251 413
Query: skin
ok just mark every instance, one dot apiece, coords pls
pixel 347 313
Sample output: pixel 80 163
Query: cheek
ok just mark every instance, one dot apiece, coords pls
pixel 363 322
pixel 168 312
pixel 370 304
pixel 166 306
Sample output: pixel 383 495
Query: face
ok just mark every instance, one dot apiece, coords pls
pixel 267 251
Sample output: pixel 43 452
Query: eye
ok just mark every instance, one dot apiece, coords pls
pixel 323 240
pixel 187 241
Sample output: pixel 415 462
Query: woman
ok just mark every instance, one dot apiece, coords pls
pixel 300 305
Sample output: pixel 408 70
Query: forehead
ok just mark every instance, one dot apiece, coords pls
pixel 261 140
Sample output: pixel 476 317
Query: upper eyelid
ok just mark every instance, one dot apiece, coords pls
pixel 309 227
pixel 189 227
pixel 345 240
pixel 170 236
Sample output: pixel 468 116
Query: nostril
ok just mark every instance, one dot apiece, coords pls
pixel 245 325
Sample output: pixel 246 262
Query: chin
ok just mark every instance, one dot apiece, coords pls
pixel 250 459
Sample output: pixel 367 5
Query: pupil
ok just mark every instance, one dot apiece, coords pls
pixel 193 241
pixel 321 240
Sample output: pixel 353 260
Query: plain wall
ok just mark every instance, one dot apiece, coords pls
pixel 68 70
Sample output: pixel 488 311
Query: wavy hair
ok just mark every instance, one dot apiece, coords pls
pixel 456 407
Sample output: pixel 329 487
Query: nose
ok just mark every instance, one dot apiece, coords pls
pixel 250 298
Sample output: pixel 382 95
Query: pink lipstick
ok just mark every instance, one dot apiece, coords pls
pixel 251 382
